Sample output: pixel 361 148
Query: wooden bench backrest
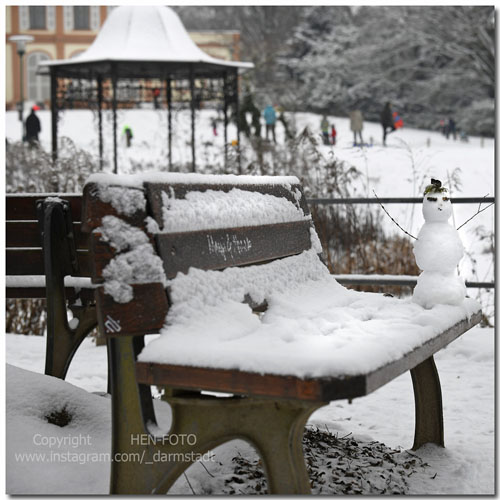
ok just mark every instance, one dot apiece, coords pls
pixel 207 248
pixel 24 255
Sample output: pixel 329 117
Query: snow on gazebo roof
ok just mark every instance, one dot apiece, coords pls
pixel 142 41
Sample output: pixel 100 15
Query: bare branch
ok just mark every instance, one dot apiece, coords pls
pixel 208 472
pixel 184 474
pixel 479 210
pixel 406 232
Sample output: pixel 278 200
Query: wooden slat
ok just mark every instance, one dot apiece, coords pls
pixel 23 207
pixel 221 248
pixel 29 261
pixel 154 193
pixel 145 313
pixel 231 381
pixel 27 234
pixel 317 389
pixel 39 293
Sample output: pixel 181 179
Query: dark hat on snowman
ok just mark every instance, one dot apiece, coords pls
pixel 435 187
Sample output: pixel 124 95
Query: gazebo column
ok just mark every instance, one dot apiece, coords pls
pixel 99 108
pixel 237 113
pixel 191 84
pixel 225 90
pixel 169 119
pixel 114 79
pixel 53 110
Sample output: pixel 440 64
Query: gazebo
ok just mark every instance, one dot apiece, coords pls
pixel 137 46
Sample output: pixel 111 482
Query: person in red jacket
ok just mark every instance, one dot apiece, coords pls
pixel 334 135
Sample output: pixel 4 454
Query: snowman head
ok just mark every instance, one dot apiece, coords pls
pixel 437 204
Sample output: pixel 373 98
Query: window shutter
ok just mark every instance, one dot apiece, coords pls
pixel 95 18
pixel 51 18
pixel 68 18
pixel 24 18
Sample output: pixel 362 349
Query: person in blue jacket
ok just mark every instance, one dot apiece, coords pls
pixel 270 118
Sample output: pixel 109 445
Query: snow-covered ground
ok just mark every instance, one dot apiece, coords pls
pixel 465 466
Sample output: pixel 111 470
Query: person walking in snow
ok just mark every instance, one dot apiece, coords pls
pixel 451 129
pixel 270 118
pixel 325 127
pixel 334 135
pixel 156 96
pixel 442 126
pixel 387 121
pixel 357 125
pixel 33 127
pixel 127 132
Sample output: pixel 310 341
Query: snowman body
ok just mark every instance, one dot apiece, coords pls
pixel 438 250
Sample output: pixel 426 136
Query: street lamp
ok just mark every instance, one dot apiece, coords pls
pixel 21 41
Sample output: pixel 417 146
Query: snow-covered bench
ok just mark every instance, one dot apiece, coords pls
pixel 228 270
pixel 47 257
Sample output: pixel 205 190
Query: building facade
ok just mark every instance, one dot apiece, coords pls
pixel 62 32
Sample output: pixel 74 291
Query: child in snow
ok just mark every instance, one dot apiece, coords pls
pixel 127 132
pixel 334 135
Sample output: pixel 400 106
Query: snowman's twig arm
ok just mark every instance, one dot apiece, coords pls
pixel 390 217
pixel 479 210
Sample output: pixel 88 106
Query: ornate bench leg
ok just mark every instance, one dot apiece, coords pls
pixel 59 261
pixel 127 475
pixel 199 424
pixel 279 440
pixel 428 404
pixel 62 341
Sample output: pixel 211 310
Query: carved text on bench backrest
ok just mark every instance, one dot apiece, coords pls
pixel 230 246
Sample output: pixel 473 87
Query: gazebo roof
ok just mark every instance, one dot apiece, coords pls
pixel 142 42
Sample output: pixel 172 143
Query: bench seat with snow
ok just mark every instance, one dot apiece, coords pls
pixel 47 258
pixel 228 271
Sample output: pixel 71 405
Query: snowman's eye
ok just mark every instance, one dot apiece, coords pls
pixel 431 199
pixel 445 198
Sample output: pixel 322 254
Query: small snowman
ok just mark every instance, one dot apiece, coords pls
pixel 438 250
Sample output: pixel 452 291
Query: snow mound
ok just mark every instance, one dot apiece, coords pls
pixel 44 458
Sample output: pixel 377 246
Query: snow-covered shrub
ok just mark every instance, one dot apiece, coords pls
pixel 31 169
pixel 25 316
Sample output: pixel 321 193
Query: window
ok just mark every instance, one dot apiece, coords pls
pixel 38 18
pixel 81 17
pixel 38 86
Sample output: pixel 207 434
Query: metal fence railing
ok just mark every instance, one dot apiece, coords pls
pixel 388 279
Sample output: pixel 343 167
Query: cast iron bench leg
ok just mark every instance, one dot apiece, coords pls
pixel 62 341
pixel 428 404
pixel 199 424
